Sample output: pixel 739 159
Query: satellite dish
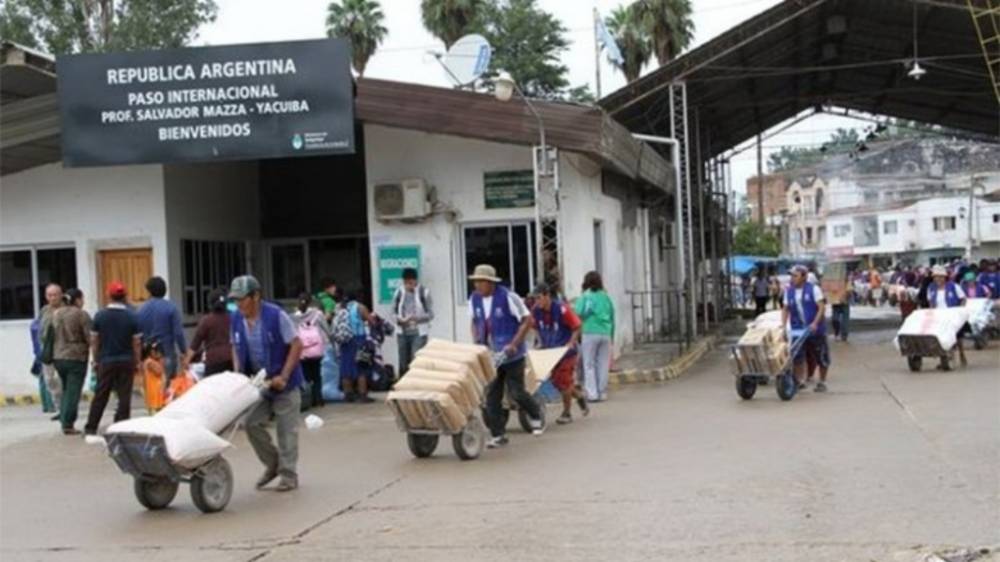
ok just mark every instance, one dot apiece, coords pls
pixel 467 59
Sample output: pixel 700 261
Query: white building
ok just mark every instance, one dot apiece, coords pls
pixel 805 219
pixel 294 221
pixel 930 231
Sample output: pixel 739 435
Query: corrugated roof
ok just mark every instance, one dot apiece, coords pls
pixel 803 54
pixel 577 128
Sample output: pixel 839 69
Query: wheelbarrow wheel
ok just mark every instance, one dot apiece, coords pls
pixel 915 362
pixel 422 446
pixel 469 443
pixel 212 486
pixel 786 386
pixel 525 420
pixel 156 493
pixel 746 387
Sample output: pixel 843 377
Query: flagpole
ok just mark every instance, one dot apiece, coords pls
pixel 597 55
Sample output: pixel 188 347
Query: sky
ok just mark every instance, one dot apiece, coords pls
pixel 404 54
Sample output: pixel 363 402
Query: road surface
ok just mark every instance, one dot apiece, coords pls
pixel 888 466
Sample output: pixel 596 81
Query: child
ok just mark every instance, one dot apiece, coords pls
pixel 152 370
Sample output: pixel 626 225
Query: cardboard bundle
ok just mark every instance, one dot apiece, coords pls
pixel 424 409
pixel 762 350
pixel 444 386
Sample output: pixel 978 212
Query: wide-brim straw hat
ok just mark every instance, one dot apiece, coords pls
pixel 939 271
pixel 484 272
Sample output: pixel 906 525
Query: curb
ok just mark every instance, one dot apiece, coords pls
pixel 672 370
pixel 33 399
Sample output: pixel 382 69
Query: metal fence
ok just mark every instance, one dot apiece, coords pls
pixel 660 316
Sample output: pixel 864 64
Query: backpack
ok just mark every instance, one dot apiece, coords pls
pixel 312 340
pixel 342 332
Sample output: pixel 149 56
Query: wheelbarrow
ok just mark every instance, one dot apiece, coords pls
pixel 785 384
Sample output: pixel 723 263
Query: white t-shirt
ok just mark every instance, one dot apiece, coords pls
pixel 941 299
pixel 514 303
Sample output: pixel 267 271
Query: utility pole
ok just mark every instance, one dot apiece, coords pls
pixel 597 55
pixel 760 182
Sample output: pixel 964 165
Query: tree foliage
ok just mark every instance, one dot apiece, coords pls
pixel 669 24
pixel 84 26
pixel 449 20
pixel 527 42
pixel 633 37
pixel 751 239
pixel 787 158
pixel 361 23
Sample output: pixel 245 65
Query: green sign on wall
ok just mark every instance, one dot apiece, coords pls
pixel 508 190
pixel 392 260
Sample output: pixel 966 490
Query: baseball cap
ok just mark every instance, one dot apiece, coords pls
pixel 116 289
pixel 243 286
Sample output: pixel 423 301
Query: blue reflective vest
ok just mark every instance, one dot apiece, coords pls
pixel 950 296
pixel 501 327
pixel 275 348
pixel 992 282
pixel 809 307
pixel 555 332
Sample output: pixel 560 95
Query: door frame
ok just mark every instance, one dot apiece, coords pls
pixel 102 283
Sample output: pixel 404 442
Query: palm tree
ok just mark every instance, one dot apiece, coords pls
pixel 627 26
pixel 670 24
pixel 360 22
pixel 449 20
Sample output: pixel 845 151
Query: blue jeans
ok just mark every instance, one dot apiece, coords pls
pixel 409 344
pixel 841 320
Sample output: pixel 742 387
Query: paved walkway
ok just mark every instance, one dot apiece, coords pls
pixel 889 466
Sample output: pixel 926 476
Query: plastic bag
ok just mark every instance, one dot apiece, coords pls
pixel 330 373
pixel 179 385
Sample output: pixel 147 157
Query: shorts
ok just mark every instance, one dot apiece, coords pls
pixel 564 374
pixel 815 352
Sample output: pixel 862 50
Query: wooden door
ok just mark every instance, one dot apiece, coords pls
pixel 133 267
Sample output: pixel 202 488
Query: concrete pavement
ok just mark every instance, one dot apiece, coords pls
pixel 888 466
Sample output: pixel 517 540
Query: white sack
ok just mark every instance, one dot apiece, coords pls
pixel 943 323
pixel 213 403
pixel 980 313
pixel 188 445
pixel 771 319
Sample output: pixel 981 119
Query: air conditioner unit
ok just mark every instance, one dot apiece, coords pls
pixel 403 200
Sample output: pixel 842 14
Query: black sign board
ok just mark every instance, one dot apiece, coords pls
pixel 236 102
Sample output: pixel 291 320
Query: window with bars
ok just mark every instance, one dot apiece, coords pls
pixel 208 265
pixel 508 247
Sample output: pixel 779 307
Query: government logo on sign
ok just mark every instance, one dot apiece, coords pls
pixel 297 141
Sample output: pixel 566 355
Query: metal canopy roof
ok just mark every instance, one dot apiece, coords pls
pixel 804 54
pixel 29 116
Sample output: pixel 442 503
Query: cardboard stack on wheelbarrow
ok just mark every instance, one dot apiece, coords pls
pixel 445 384
pixel 763 348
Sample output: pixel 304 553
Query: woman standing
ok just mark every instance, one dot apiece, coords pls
pixel 597 311
pixel 352 322
pixel 211 337
pixel 71 349
pixel 314 332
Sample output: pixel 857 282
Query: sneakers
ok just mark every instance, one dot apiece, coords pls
pixel 266 478
pixel 497 442
pixel 565 418
pixel 70 431
pixel 820 387
pixel 287 484
pixel 537 426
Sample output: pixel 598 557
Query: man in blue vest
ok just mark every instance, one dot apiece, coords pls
pixel 989 277
pixel 944 293
pixel 264 337
pixel 803 311
pixel 501 321
pixel 557 326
